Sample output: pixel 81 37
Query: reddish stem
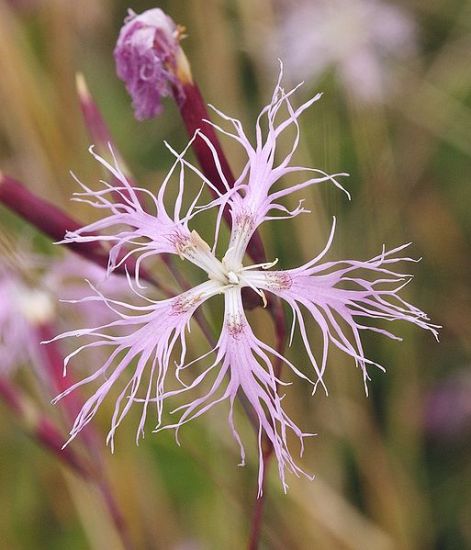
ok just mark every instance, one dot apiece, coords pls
pixel 40 427
pixel 51 438
pixel 259 506
pixel 100 136
pixel 194 113
pixel 276 310
pixel 94 121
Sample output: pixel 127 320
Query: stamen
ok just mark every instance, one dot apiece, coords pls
pixel 262 295
pixel 233 278
pixel 265 265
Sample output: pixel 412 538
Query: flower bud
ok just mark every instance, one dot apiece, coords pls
pixel 146 55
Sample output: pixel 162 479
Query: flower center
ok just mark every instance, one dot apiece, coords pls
pixel 232 278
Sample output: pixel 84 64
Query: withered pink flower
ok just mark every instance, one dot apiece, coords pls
pixel 344 298
pixel 145 57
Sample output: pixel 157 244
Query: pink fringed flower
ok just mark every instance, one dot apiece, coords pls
pixel 145 57
pixel 341 297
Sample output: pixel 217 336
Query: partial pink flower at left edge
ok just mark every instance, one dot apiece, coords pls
pixel 344 298
pixel 31 301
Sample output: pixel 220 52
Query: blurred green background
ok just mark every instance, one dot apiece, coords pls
pixel 393 470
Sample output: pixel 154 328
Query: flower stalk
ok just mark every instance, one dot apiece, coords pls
pixel 195 116
pixel 279 320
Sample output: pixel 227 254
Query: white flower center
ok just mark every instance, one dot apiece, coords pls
pixel 233 278
pixel 229 273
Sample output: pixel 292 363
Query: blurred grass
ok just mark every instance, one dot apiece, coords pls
pixel 383 482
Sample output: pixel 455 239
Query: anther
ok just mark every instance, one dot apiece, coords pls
pixel 233 278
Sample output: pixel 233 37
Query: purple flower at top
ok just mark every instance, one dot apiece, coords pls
pixel 344 298
pixel 145 57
